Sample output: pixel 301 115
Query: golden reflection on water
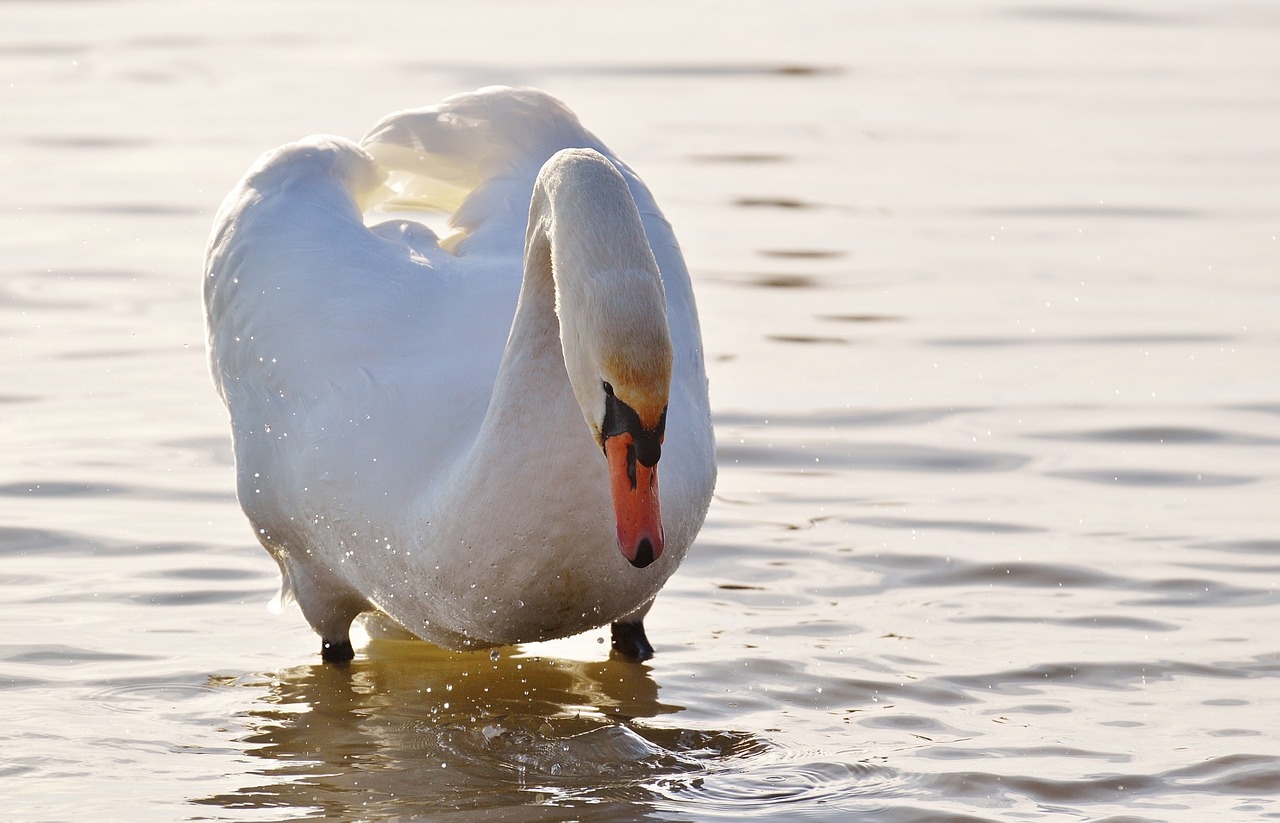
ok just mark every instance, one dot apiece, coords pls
pixel 410 727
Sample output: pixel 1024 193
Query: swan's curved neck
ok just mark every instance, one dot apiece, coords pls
pixel 591 311
pixel 591 276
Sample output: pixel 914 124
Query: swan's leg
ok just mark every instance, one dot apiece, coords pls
pixel 629 639
pixel 628 635
pixel 332 621
pixel 337 651
pixel 329 606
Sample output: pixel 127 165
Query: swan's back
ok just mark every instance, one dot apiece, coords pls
pixel 473 151
pixel 475 156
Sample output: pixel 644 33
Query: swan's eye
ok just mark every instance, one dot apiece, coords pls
pixel 608 388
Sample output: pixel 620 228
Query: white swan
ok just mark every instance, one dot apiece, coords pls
pixel 419 423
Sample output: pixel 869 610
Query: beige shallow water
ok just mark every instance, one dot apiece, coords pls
pixel 989 292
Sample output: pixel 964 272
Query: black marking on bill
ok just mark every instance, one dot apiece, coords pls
pixel 620 418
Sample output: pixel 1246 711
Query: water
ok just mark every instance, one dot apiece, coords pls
pixel 989 294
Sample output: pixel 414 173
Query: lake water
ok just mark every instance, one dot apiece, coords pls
pixel 990 294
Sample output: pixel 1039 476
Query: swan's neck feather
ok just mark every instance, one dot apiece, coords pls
pixel 586 237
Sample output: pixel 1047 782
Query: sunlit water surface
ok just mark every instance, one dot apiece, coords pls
pixel 990 296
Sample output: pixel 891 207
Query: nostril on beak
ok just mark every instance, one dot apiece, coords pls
pixel 644 554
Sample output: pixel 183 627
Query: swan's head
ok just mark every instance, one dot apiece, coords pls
pixel 621 372
pixel 613 329
pixel 632 446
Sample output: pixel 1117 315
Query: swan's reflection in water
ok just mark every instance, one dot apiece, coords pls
pixel 412 731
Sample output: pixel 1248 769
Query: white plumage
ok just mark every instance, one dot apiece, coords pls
pixel 409 441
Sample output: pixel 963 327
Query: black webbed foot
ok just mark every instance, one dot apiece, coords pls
pixel 629 640
pixel 337 651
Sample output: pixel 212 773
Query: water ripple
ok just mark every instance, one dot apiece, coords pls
pixel 1019 753
pixel 1092 621
pixel 68 489
pixel 909 571
pixel 897 457
pixel 1108 676
pixel 774 789
pixel 1071 341
pixel 1152 477
pixel 868 418
pixel 143 695
pixel 922 524
pixel 54 488
pixel 62 656
pixel 19 541
pixel 1171 435
pixel 1264 547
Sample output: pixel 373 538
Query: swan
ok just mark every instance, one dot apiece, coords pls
pixel 461 432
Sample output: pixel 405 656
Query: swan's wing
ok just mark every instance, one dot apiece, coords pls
pixel 292 274
pixel 355 363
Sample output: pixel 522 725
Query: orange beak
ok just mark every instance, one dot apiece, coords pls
pixel 635 501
